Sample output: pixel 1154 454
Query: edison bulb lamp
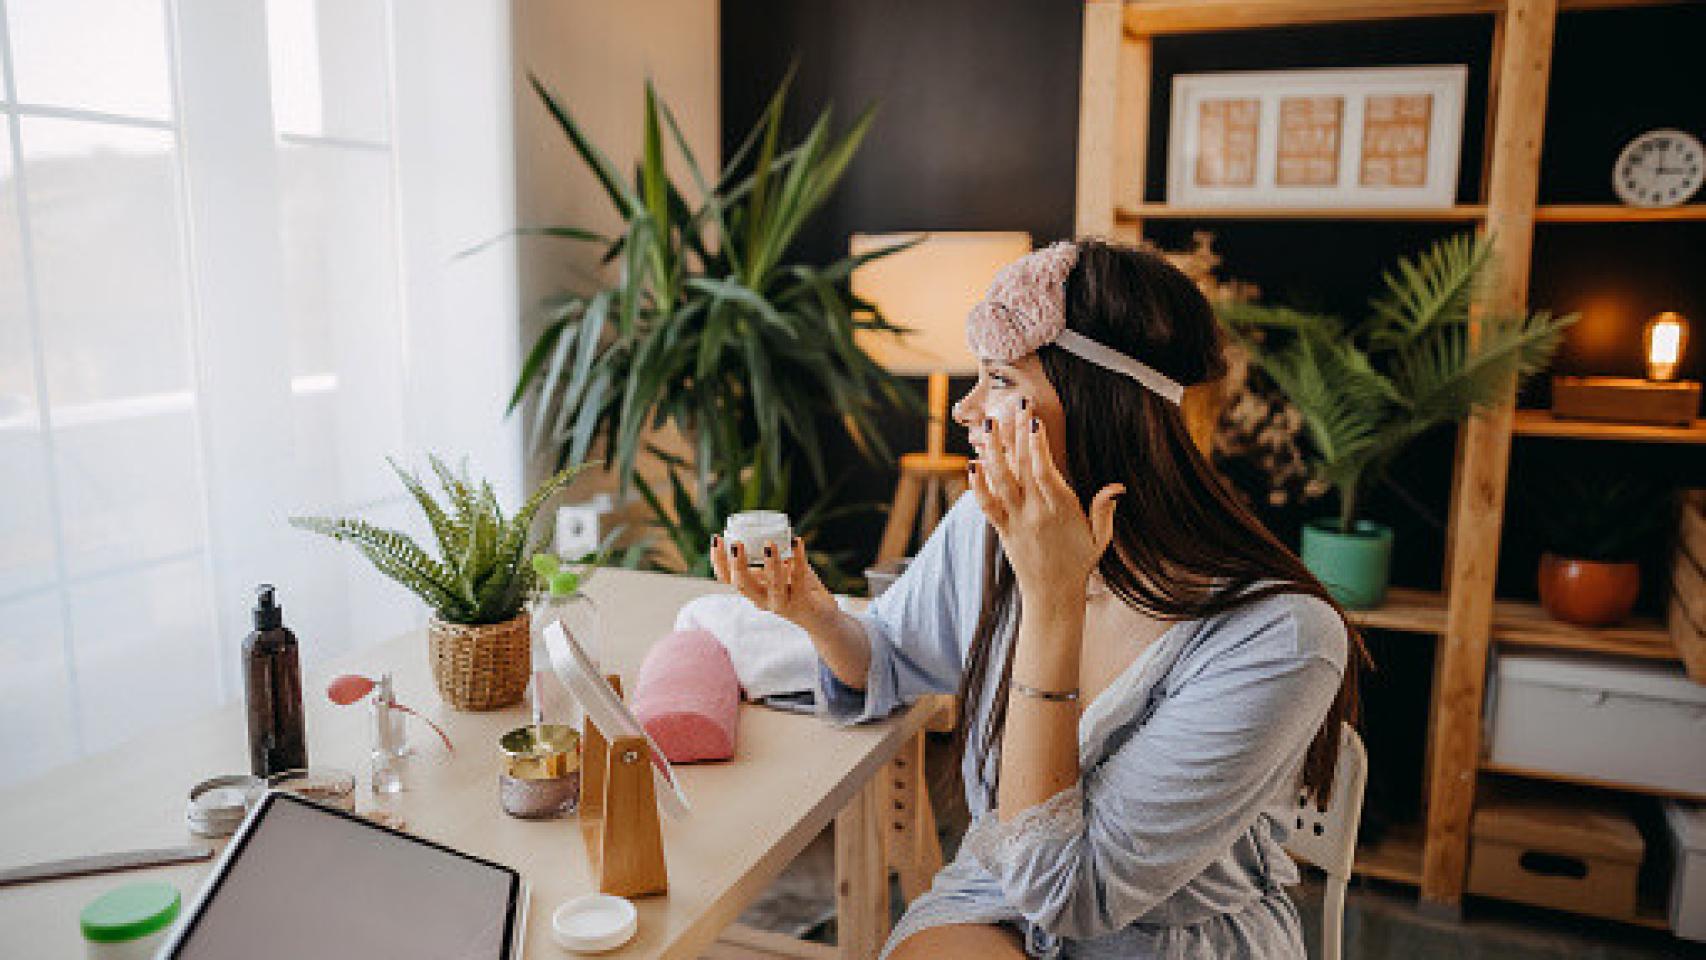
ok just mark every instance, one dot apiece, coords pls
pixel 1664 339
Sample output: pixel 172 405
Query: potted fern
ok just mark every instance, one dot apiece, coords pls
pixel 477 586
pixel 1367 389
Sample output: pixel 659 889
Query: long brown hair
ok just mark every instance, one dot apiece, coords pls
pixel 1184 547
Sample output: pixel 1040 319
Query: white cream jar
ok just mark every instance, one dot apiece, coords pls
pixel 755 528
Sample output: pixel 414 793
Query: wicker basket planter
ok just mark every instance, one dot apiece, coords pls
pixel 483 667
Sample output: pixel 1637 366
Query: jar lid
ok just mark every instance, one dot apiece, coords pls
pixel 323 784
pixel 546 751
pixel 218 805
pixel 130 913
pixel 757 523
pixel 594 923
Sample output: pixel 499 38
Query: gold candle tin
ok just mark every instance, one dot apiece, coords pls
pixel 541 770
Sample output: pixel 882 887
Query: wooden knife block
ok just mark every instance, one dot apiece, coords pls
pixel 619 813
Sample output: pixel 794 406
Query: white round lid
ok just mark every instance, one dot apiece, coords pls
pixel 594 923
pixel 757 523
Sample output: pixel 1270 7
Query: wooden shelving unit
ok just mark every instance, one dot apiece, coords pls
pixel 1397 858
pixel 1526 625
pixel 1456 213
pixel 1651 913
pixel 1539 423
pixel 1525 773
pixel 1152 18
pixel 1465 619
pixel 1405 610
pixel 1616 213
pixel 1460 213
pixel 1520 623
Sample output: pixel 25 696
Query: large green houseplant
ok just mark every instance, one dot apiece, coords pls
pixel 476 586
pixel 711 329
pixel 1366 389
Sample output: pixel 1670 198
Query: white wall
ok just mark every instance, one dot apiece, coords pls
pixel 596 56
pixel 455 118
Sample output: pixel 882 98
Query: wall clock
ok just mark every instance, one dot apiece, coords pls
pixel 1659 168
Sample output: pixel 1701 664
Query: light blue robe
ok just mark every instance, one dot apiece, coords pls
pixel 1170 844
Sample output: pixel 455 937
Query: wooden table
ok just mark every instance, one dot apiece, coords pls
pixel 751 816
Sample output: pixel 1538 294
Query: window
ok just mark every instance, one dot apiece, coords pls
pixel 228 292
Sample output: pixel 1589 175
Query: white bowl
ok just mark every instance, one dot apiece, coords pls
pixel 594 923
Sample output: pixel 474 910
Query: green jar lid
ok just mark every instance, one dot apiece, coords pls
pixel 130 913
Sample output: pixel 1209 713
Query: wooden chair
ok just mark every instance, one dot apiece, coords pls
pixel 1327 838
pixel 929 481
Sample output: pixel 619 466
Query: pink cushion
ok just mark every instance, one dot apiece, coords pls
pixel 688 698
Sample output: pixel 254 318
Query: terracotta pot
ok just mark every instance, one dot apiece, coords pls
pixel 483 667
pixel 1590 593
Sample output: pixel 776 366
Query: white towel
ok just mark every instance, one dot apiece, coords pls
pixel 770 654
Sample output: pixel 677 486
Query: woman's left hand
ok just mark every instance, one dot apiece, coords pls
pixel 1051 542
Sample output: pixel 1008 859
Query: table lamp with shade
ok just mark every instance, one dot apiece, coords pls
pixel 928 288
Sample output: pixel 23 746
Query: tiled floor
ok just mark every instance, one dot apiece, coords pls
pixel 1381 923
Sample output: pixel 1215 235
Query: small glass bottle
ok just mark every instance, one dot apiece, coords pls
pixel 560 602
pixel 389 732
pixel 390 738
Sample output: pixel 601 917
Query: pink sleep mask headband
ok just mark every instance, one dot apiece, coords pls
pixel 1026 308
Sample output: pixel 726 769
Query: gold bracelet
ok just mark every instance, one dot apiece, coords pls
pixel 1058 696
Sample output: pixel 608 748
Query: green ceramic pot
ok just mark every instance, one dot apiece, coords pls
pixel 1353 566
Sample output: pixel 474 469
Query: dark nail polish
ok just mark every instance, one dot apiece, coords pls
pixel 988 423
pixel 1024 403
pixel 717 542
pixel 1035 424
pixel 769 550
pixel 972 466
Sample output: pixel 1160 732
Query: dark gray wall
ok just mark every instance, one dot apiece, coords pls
pixel 978 129
pixel 978 100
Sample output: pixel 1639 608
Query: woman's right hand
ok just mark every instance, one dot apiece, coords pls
pixel 789 588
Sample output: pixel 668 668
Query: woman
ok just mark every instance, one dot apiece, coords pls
pixel 1145 672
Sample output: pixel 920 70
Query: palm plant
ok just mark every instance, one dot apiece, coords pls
pixel 1599 513
pixel 1367 389
pixel 710 329
pixel 482 572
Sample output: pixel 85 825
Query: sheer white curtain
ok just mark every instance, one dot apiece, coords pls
pixel 229 290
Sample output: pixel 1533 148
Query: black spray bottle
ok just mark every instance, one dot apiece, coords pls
pixel 272 681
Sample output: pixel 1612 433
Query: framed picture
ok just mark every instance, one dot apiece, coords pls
pixel 1378 137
